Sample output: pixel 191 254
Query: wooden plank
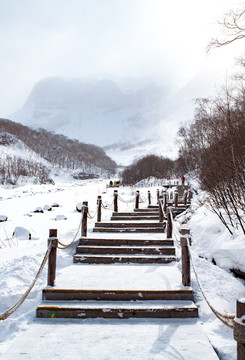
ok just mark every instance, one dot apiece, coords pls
pixel 115 295
pixel 123 242
pixel 114 250
pixel 112 259
pixel 82 312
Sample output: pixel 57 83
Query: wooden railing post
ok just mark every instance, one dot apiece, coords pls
pixel 189 195
pixel 85 219
pixel 239 328
pixel 176 198
pixel 137 199
pixel 160 209
pixel 115 201
pixel 185 197
pixel 158 194
pixel 164 195
pixel 149 198
pixel 185 256
pixel 169 224
pixel 52 256
pixel 99 203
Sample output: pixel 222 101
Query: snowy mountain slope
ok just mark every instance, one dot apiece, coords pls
pixel 11 146
pixel 19 164
pixel 95 111
pixel 59 151
pixel 115 112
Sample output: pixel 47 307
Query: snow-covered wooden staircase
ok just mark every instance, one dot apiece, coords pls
pixel 108 251
pixel 139 251
pixel 116 303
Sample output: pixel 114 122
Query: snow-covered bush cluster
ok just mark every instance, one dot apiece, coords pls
pixel 14 169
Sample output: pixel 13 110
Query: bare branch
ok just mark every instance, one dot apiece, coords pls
pixel 233 28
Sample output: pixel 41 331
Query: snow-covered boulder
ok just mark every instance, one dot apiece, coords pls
pixel 47 208
pixel 55 205
pixel 21 233
pixel 60 217
pixel 38 210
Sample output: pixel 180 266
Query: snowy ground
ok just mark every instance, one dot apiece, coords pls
pixel 20 260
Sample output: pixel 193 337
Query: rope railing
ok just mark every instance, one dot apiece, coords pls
pixel 176 232
pixel 16 306
pixel 226 319
pixel 66 246
pixel 106 207
pixel 122 200
pixel 92 216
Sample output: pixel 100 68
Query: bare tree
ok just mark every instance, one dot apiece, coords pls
pixel 232 27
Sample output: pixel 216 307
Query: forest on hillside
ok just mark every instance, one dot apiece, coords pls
pixel 60 150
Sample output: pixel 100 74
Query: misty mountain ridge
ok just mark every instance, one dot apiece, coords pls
pixel 128 117
pixel 93 111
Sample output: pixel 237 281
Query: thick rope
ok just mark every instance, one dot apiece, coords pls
pixel 226 319
pixel 105 207
pixel 66 246
pixel 124 201
pixel 16 306
pixel 92 216
pixel 176 232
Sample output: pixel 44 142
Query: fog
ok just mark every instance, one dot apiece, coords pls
pixel 163 40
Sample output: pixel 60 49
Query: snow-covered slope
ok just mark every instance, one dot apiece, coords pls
pixel 11 146
pixel 94 111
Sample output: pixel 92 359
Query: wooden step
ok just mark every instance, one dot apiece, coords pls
pixel 125 242
pixel 111 250
pixel 115 295
pixel 125 218
pixel 123 259
pixel 129 230
pixel 142 212
pixel 118 310
pixel 150 210
pixel 132 224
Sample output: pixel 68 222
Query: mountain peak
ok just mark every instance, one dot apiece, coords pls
pixel 92 110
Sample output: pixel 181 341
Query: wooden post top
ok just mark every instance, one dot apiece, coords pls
pixel 53 233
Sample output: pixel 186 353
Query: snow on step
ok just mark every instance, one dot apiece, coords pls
pixel 101 339
pixel 121 277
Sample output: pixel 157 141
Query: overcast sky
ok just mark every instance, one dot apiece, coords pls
pixel 163 39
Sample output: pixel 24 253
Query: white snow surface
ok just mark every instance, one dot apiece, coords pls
pixel 102 338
